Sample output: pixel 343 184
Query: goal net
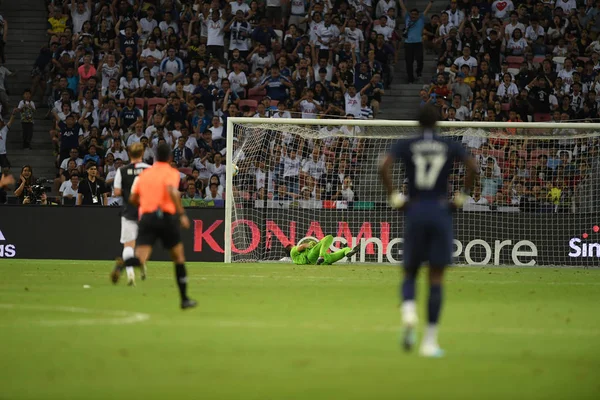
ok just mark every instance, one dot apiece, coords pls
pixel 535 201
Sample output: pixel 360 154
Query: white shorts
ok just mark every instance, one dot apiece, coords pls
pixel 129 230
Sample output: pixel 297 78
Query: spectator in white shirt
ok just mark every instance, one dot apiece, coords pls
pixel 151 50
pixel 148 23
pixel 467 59
pixel 215 42
pixel 566 5
pixel 137 135
pixel 69 189
pixel 533 31
pixel 352 101
pixel 239 5
pixel 507 89
pixel 314 166
pixel 512 25
pixel 168 23
pixel 383 6
pixel 354 36
pixel 213 192
pixel 172 64
pixel 476 197
pixel 307 105
pixel 517 45
pixel 384 29
pixel 455 15
pixel 291 170
pixel 118 151
pixel 502 8
pixel 281 111
pixel 80 12
pixel 238 79
pixel 217 167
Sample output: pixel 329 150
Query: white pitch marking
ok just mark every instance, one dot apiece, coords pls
pixel 382 329
pixel 115 317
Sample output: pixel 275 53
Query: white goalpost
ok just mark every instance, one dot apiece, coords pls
pixel 534 202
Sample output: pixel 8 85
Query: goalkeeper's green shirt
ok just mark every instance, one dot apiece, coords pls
pixel 299 258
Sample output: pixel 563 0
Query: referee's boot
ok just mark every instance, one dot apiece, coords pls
pixel 188 303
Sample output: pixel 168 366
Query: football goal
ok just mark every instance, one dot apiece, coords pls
pixel 535 200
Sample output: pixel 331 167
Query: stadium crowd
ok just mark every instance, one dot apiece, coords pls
pixel 519 61
pixel 124 71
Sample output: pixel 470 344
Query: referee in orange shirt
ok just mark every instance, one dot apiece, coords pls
pixel 155 192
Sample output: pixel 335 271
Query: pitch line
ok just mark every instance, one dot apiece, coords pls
pixel 246 324
pixel 113 317
pixel 367 280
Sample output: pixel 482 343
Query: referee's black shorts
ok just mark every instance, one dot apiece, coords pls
pixel 161 226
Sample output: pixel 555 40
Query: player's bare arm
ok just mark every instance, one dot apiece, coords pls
pixel 396 199
pixel 471 172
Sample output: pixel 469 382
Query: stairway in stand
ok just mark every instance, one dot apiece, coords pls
pixel 27 21
pixel 401 101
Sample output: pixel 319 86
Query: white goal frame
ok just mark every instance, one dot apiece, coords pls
pixel 229 200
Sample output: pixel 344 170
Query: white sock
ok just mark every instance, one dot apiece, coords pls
pixel 127 254
pixel 409 312
pixel 430 338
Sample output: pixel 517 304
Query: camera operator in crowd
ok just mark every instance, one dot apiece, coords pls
pixel 41 201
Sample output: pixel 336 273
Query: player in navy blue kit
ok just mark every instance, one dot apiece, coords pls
pixel 428 160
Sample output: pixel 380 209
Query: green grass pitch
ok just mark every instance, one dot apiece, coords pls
pixel 275 331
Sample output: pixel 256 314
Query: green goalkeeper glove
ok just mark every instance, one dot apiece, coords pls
pixel 397 200
pixel 460 198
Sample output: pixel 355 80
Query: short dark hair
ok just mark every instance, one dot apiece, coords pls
pixel 428 116
pixel 90 164
pixel 163 153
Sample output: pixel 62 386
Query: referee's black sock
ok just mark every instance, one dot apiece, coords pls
pixel 181 276
pixel 133 262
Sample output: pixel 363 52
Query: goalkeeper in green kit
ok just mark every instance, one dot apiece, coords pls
pixel 313 252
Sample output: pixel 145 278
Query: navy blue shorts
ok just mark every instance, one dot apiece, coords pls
pixel 428 235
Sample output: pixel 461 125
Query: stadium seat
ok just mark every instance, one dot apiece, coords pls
pixel 515 60
pixel 153 102
pixel 542 117
pixel 584 59
pixel 255 92
pixel 513 70
pixel 274 103
pixel 140 103
pixel 187 171
pixel 248 102
pixel 538 59
pixel 505 106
